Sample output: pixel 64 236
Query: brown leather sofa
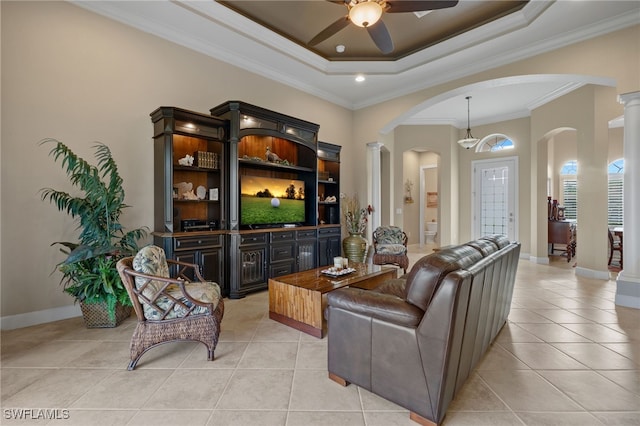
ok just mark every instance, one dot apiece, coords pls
pixel 415 340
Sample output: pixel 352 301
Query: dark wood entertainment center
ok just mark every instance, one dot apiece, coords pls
pixel 197 225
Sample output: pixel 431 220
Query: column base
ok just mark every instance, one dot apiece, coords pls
pixel 627 291
pixel 592 273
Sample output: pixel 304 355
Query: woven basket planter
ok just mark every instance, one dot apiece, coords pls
pixel 96 315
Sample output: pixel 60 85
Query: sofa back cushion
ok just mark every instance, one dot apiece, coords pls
pixel 498 239
pixel 427 274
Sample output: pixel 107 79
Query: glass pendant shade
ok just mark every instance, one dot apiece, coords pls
pixel 365 14
pixel 469 141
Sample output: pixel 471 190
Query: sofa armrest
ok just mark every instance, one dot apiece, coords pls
pixel 395 287
pixel 384 307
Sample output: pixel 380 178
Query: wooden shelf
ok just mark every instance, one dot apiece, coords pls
pixel 273 166
pixel 175 200
pixel 195 169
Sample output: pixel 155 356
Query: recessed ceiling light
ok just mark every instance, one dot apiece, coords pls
pixel 340 48
pixel 360 78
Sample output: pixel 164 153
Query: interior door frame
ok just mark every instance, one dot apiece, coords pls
pixel 476 166
pixel 423 201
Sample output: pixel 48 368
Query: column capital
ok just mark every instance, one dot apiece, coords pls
pixel 374 146
pixel 626 98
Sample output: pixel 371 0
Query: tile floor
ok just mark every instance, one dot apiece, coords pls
pixel 568 356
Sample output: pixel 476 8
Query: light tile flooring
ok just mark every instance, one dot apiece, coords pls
pixel 568 356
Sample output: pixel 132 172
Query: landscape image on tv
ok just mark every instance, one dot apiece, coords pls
pixel 265 200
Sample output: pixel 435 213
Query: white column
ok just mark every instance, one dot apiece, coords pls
pixel 628 282
pixel 375 196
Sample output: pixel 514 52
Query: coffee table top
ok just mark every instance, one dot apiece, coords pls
pixel 315 280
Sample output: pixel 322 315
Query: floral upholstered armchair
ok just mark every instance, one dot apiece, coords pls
pixel 169 309
pixel 390 247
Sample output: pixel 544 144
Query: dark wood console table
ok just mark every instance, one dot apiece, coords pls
pixel 562 232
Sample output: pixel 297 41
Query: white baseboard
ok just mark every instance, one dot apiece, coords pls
pixel 592 273
pixel 11 322
pixel 539 260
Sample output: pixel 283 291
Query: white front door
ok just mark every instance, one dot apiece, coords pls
pixel 495 197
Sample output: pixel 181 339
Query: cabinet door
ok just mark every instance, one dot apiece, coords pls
pixel 253 266
pixel 328 248
pixel 211 264
pixel 328 245
pixel 188 257
pixel 306 258
pixel 335 248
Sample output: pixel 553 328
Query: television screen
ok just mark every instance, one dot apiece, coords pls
pixel 271 201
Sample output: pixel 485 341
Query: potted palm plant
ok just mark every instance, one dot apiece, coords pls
pixel 89 271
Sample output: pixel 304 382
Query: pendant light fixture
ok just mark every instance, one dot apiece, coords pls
pixel 365 13
pixel 469 141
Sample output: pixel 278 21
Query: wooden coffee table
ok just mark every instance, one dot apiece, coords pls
pixel 298 300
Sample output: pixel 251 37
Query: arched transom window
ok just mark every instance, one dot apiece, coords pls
pixel 495 142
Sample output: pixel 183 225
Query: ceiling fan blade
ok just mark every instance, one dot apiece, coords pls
pixel 330 30
pixel 399 6
pixel 380 36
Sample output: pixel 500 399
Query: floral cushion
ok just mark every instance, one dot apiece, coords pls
pixel 391 249
pixel 390 240
pixel 151 260
pixel 208 292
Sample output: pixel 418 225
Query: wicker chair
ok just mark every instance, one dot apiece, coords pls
pixel 169 309
pixel 390 247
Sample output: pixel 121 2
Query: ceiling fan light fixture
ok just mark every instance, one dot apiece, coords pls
pixel 469 141
pixel 365 14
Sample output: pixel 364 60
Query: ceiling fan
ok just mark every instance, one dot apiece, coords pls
pixel 368 14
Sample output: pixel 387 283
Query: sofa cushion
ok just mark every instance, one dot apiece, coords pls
pixel 498 239
pixel 384 307
pixel 427 274
pixel 395 286
pixel 484 246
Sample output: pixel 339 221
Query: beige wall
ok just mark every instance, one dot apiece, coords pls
pixel 614 56
pixel 73 75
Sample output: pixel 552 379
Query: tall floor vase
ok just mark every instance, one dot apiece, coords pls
pixel 355 247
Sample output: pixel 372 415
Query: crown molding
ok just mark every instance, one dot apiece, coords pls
pixel 209 28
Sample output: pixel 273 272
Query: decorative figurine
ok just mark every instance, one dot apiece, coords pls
pixel 272 156
pixel 186 161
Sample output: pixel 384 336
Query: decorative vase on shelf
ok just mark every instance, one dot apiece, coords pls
pixel 355 247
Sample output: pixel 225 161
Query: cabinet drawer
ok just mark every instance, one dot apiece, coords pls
pixel 191 243
pixel 280 270
pixel 306 234
pixel 328 232
pixel 253 239
pixel 282 252
pixel 282 236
